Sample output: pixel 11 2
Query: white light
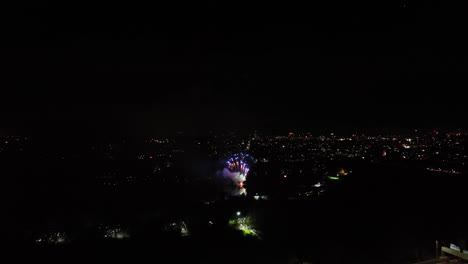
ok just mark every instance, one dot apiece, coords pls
pixel 238 213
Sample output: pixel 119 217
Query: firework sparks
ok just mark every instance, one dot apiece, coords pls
pixel 237 168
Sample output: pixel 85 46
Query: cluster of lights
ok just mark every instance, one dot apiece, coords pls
pixel 53 238
pixel 243 224
pixel 178 226
pixel 452 171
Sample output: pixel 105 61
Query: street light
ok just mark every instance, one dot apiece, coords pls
pixel 238 213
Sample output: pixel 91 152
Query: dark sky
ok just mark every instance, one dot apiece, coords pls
pixel 142 69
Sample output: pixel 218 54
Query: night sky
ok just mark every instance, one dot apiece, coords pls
pixel 134 69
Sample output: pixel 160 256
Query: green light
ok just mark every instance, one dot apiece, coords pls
pixel 248 232
pixel 333 178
